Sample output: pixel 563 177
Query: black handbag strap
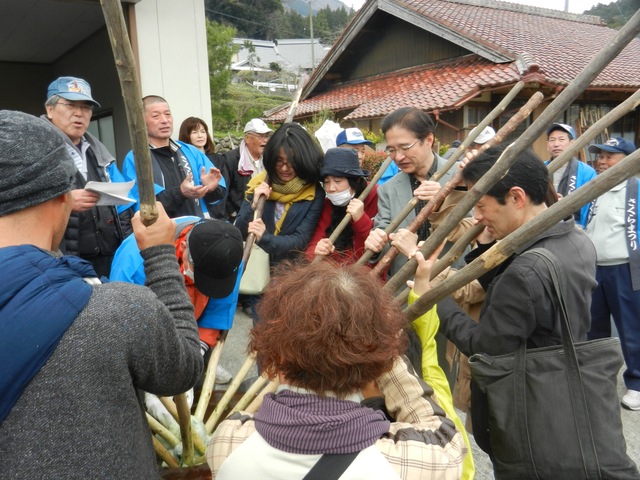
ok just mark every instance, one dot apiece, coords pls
pixel 574 376
pixel 331 466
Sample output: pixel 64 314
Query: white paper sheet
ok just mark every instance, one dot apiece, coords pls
pixel 111 193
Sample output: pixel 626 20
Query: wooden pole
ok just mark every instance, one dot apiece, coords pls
pixel 184 420
pixel 251 238
pixel 130 86
pixel 210 377
pixel 446 189
pixel 164 454
pixel 270 388
pixel 562 101
pixel 168 403
pixel 625 107
pixel 260 382
pixel 453 254
pixel 226 398
pixel 493 114
pixel 503 249
pixel 410 206
pixel 159 429
pixel 363 196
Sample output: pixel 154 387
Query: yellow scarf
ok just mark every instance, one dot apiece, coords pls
pixel 307 192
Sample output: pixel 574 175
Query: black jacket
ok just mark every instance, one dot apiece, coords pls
pixel 520 307
pixel 95 234
pixel 236 186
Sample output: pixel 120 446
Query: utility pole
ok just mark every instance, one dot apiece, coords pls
pixel 566 5
pixel 313 56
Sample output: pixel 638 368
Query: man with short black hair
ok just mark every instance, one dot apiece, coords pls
pixel 518 307
pixel 572 174
pixel 185 180
pixel 94 232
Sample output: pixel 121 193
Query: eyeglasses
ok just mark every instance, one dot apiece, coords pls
pixel 260 135
pixel 282 163
pixel 393 151
pixel 85 107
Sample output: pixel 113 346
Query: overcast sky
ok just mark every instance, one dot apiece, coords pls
pixel 575 6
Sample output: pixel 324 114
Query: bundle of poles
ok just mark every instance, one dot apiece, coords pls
pixel 192 444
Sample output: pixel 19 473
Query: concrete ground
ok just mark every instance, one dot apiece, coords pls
pixel 235 353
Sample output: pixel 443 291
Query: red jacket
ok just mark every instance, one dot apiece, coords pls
pixel 361 229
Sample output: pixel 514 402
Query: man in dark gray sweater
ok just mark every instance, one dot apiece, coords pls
pixel 74 352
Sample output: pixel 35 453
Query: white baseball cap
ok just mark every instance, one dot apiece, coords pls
pixel 256 125
pixel 485 135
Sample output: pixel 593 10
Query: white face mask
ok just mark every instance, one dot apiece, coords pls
pixel 340 199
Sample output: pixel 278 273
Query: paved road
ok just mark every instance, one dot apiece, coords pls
pixel 235 353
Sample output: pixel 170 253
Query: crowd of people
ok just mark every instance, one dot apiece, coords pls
pixel 99 308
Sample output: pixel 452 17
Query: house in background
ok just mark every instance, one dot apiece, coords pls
pixel 291 58
pixel 41 40
pixel 458 58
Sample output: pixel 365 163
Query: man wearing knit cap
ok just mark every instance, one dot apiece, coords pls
pixel 94 232
pixel 75 352
pixel 572 174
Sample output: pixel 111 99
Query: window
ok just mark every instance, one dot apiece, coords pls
pixel 474 114
pixel 102 128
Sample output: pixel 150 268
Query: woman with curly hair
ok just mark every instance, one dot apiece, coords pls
pixel 343 181
pixel 336 353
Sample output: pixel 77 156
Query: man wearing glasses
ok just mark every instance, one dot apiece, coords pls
pixel 93 232
pixel 409 133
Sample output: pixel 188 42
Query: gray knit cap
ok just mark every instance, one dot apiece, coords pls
pixel 34 163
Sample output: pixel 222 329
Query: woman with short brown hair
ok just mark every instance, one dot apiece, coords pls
pixel 333 338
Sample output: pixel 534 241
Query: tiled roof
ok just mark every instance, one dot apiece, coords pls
pixel 550 46
pixel 448 84
pixel 561 45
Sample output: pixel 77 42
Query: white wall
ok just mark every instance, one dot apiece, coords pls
pixel 172 48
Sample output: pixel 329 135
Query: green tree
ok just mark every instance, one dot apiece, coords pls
pixel 247 16
pixel 242 103
pixel 617 13
pixel 220 51
pixel 321 26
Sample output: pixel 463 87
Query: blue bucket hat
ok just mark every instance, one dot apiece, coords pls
pixel 71 88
